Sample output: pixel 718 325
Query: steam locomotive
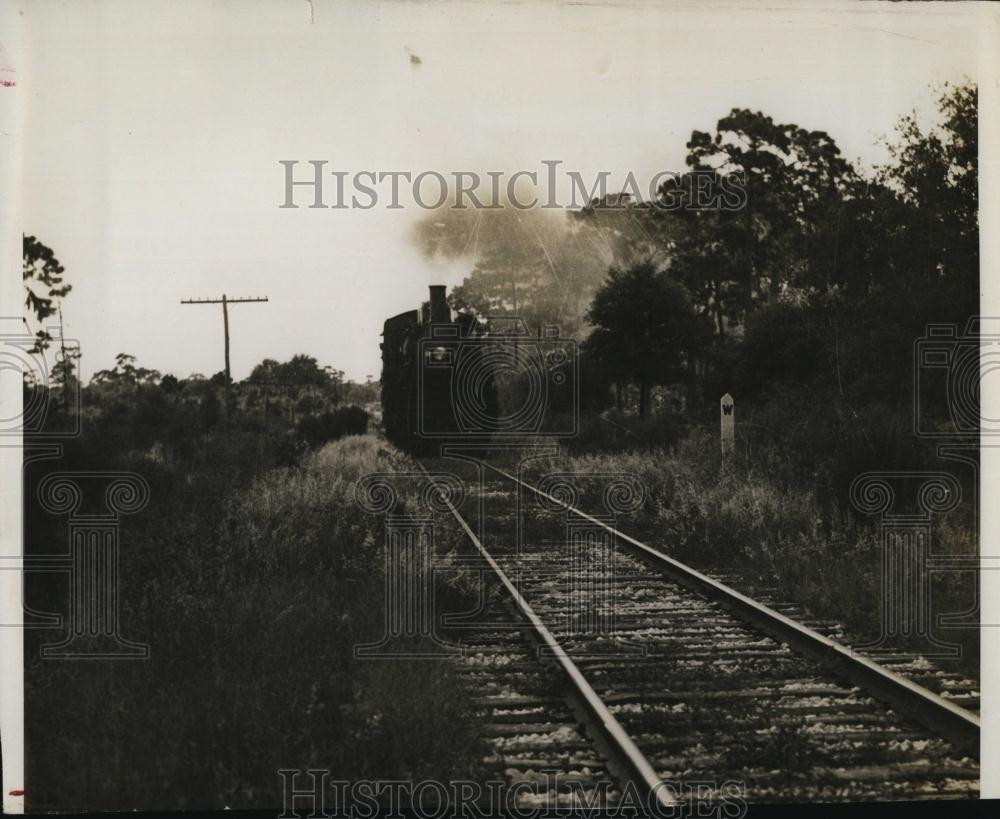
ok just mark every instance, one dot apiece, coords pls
pixel 437 384
pixel 448 379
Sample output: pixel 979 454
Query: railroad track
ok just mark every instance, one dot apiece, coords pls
pixel 626 666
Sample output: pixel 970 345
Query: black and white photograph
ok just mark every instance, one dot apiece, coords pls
pixel 499 408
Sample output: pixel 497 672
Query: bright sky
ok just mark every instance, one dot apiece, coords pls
pixel 153 132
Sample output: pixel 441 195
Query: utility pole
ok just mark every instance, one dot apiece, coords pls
pixel 225 302
pixel 65 364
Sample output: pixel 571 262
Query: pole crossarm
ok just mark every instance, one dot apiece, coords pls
pixel 225 299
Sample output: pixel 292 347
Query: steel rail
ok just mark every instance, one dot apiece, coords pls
pixel 627 754
pixel 957 724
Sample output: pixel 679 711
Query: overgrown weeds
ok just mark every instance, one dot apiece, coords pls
pixel 737 518
pixel 252 602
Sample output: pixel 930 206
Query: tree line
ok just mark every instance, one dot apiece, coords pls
pixel 804 303
pixel 821 256
pixel 813 227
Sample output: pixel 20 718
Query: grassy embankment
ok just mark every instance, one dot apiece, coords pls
pixel 252 596
pixel 741 520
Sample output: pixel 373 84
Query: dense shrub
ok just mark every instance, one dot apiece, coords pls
pixel 612 431
pixel 252 588
pixel 331 426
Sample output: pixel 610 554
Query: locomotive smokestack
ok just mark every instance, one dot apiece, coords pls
pixel 440 311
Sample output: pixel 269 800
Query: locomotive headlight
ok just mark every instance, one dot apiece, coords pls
pixel 438 355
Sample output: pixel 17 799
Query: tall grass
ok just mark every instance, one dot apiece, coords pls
pixel 252 601
pixel 737 518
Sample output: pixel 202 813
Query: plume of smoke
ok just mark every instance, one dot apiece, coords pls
pixel 541 263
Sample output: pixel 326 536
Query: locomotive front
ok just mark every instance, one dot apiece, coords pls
pixel 422 353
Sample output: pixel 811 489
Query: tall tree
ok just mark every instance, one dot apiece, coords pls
pixel 623 230
pixel 43 284
pixel 126 373
pixel 795 181
pixel 645 328
pixel 934 174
